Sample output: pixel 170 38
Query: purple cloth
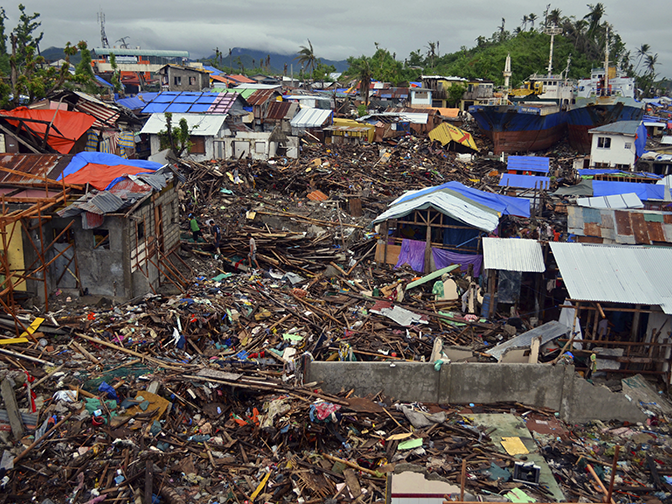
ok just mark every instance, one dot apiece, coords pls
pixel 412 253
pixel 443 258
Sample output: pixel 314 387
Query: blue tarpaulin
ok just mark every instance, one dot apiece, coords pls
pixel 643 191
pixel 528 163
pixel 525 181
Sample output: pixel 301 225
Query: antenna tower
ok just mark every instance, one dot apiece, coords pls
pixel 103 35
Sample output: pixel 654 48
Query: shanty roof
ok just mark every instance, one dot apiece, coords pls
pixel 190 102
pixel 311 118
pixel 132 102
pixel 524 181
pixel 640 227
pixel 446 133
pixel 199 124
pixel 528 163
pixel 120 51
pixel 513 254
pixel 261 96
pixel 245 93
pixel 411 117
pixel 628 200
pixel 628 128
pixel 643 191
pixel 616 274
pixel 106 115
pixel 281 110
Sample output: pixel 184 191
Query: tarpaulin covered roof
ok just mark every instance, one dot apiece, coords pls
pixel 446 133
pixel 191 102
pixel 528 163
pixel 505 205
pixel 103 171
pixel 66 126
pixel 643 191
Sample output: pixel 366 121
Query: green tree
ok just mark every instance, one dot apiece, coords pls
pixel 455 94
pixel 360 68
pixel 175 139
pixel 116 78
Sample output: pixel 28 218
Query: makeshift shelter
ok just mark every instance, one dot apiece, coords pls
pixel 457 139
pixel 103 171
pixel 434 227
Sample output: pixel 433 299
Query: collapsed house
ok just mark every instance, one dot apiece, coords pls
pixel 93 223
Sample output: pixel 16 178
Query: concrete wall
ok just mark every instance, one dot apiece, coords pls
pixel 538 385
pixel 616 154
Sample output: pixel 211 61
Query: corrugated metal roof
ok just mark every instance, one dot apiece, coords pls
pixel 512 254
pixel 106 115
pixel 35 164
pixel 618 128
pixel 311 118
pixel 619 201
pixel 281 110
pixel 199 124
pixel 261 96
pixel 525 181
pixel 528 163
pixel 616 274
pixel 641 227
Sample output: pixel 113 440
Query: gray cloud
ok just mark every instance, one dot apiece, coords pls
pixel 337 30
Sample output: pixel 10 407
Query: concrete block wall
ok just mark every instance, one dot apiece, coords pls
pixel 538 385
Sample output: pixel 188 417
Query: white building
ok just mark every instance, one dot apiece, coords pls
pixel 613 145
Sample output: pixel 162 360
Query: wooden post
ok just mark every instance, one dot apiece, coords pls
pixel 491 291
pixel 13 413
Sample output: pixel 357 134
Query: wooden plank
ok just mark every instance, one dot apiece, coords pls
pixel 12 409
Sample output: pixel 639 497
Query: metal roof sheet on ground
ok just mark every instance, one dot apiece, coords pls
pixel 39 165
pixel 411 117
pixel 528 163
pixel 525 181
pixel 446 133
pixel 512 254
pixel 199 124
pixel 629 200
pixel 548 332
pixel 616 274
pixel 618 128
pixel 311 118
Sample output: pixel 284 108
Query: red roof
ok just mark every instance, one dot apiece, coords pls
pixel 241 79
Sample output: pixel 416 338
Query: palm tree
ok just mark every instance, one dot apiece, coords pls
pixel 651 62
pixel 525 20
pixel 555 16
pixel 361 69
pixel 532 18
pixel 431 52
pixel 642 51
pixel 307 56
pixel 594 16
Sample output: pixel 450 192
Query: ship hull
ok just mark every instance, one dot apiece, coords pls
pixel 597 112
pixel 520 129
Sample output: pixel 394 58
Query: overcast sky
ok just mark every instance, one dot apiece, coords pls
pixel 337 30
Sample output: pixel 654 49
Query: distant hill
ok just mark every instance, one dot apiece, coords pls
pixel 55 53
pixel 252 58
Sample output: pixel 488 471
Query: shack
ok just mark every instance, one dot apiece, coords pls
pixel 442 225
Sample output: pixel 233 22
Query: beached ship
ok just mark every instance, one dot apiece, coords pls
pixel 605 98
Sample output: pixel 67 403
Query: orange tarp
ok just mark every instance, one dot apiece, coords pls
pixel 66 126
pixel 100 176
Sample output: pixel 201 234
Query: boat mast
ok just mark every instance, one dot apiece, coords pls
pixel 552 31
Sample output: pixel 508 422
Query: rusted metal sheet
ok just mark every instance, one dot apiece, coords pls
pixel 667 218
pixel 656 232
pixel 592 229
pixel 261 96
pixel 640 229
pixel 623 226
pixel 278 110
pixel 51 165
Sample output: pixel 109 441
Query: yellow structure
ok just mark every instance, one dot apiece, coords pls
pixel 446 133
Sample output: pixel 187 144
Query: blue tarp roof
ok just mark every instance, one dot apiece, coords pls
pixel 132 102
pixel 525 181
pixel 506 205
pixel 528 163
pixel 212 70
pixel 190 102
pixel 103 81
pixel 643 191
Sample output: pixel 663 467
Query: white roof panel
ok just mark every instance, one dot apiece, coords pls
pixel 310 118
pixel 199 124
pixel 512 254
pixel 616 274
pixel 616 201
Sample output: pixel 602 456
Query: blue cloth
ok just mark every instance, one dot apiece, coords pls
pixel 640 141
pixel 109 390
